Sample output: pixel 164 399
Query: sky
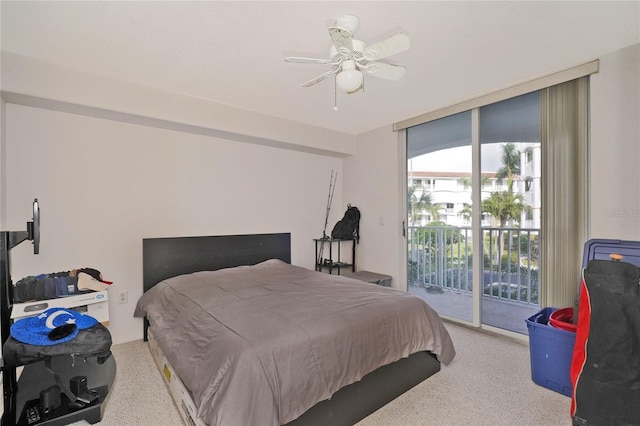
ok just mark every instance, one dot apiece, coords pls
pixel 458 160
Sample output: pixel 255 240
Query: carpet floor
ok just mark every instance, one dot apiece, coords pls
pixel 488 383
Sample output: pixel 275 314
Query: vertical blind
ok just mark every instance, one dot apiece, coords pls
pixel 564 214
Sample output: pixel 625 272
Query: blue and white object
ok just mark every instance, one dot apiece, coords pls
pixel 35 330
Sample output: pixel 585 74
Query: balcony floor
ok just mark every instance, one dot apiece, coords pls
pixel 495 312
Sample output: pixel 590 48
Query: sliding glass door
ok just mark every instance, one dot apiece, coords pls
pixel 439 235
pixel 473 202
pixel 511 204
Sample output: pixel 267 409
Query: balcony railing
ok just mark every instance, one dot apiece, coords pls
pixel 441 258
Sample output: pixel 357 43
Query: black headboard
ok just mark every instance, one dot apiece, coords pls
pixel 164 258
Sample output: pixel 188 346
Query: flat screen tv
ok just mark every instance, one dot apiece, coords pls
pixel 33 228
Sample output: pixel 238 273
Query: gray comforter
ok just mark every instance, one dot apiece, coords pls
pixel 260 345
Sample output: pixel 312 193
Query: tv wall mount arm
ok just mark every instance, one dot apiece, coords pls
pixel 8 240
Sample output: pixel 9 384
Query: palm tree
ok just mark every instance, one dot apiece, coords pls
pixel 511 164
pixel 466 212
pixel 505 207
pixel 465 181
pixel 419 204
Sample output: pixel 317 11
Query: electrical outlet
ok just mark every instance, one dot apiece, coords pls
pixel 123 297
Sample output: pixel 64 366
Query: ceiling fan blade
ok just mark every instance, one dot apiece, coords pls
pixel 384 70
pixel 342 39
pixel 301 60
pixel 319 78
pixel 395 44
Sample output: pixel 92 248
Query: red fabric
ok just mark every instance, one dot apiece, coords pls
pixel 582 336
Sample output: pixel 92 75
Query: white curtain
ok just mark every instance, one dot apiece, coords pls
pixel 564 177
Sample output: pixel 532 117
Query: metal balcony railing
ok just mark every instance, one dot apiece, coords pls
pixel 441 258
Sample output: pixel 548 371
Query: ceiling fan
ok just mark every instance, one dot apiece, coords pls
pixel 350 58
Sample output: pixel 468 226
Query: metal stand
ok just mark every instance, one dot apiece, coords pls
pixel 9 383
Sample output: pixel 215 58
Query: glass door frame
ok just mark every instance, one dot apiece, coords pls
pixel 476 227
pixel 539 83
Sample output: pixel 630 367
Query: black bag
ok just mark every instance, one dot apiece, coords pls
pixel 348 228
pixel 92 341
pixel 605 370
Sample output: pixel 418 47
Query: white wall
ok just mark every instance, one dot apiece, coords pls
pixel 371 182
pixel 105 185
pixel 2 156
pixel 615 146
pixel 34 82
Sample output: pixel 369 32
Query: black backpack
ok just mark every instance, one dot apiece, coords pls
pixel 348 228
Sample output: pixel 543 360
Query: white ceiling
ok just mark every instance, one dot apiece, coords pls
pixel 231 52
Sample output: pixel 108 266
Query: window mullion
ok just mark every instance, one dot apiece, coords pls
pixel 476 215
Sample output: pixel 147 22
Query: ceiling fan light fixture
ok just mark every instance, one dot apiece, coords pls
pixel 349 79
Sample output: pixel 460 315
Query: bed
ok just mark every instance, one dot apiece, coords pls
pixel 243 337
